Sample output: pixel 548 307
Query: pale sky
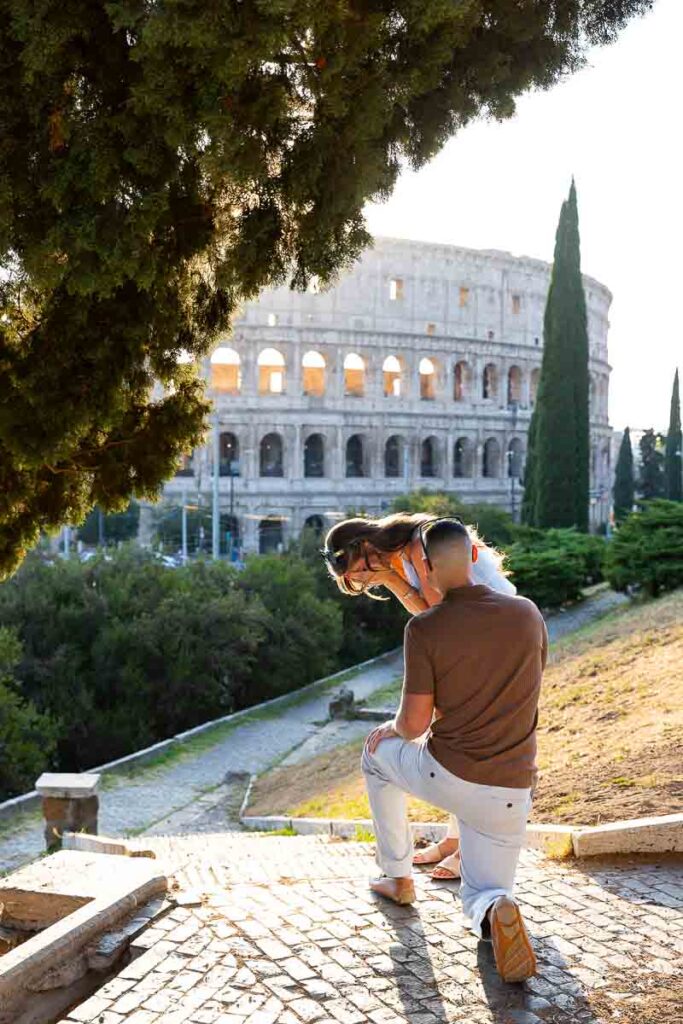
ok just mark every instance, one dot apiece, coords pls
pixel 614 127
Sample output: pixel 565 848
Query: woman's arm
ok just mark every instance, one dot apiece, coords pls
pixel 411 600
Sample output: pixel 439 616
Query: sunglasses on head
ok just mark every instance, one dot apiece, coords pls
pixel 424 528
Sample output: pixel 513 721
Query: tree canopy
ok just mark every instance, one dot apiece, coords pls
pixel 160 162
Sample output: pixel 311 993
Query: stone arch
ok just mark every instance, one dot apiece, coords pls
pixel 226 371
pixel 515 457
pixel 314 456
pixel 271 372
pixel 428 373
pixel 316 524
pixel 394 454
pixel 491 458
pixel 355 456
pixel 514 385
pixel 271 537
pixel 489 381
pixel 533 385
pixel 354 375
pixel 271 455
pixel 314 366
pixel 229 454
pixel 392 377
pixel 429 457
pixel 462 377
pixel 463 457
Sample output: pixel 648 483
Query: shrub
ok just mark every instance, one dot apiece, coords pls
pixel 550 577
pixel 647 549
pixel 27 738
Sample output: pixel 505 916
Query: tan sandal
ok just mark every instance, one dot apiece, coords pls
pixel 432 854
pixel 447 870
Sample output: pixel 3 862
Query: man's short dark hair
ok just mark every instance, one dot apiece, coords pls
pixel 443 531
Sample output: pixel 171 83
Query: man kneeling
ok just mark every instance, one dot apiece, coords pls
pixel 464 739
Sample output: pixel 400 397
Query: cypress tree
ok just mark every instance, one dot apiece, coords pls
pixel 673 464
pixel 651 477
pixel 624 488
pixel 559 449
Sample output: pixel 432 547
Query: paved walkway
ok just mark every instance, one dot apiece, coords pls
pixel 285 931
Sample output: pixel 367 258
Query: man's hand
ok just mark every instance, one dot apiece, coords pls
pixel 382 732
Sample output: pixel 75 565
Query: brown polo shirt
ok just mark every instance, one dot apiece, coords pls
pixel 481 654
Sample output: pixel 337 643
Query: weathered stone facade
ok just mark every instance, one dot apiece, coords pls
pixel 418 369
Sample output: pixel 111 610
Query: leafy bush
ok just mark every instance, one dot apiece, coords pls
pixel 647 549
pixel 27 738
pixel 550 576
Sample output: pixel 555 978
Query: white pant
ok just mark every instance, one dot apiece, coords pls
pixel 491 821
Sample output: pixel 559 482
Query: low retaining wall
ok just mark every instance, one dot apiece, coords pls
pixel 642 835
pixel 31 801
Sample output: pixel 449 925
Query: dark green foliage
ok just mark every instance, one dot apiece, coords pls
pixel 27 738
pixel 494 524
pixel 647 549
pixel 303 633
pixel 168 529
pixel 651 478
pixel 673 456
pixel 550 576
pixel 110 529
pixel 161 162
pixel 557 473
pixel 624 487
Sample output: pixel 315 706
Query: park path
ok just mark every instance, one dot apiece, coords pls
pixel 202 791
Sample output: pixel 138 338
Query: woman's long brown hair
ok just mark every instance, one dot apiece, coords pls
pixel 350 539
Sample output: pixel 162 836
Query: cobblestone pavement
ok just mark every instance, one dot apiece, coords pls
pixel 287 932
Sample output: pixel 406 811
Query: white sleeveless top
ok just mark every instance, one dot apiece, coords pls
pixel 485 570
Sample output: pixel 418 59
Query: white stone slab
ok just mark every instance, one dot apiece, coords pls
pixel 67 785
pixel 642 835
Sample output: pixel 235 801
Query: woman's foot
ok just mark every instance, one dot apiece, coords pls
pixel 447 870
pixel 436 852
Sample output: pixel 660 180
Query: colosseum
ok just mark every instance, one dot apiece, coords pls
pixel 418 369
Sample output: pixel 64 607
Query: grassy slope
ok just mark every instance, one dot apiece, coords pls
pixel 611 712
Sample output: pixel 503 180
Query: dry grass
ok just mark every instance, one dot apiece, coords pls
pixel 611 718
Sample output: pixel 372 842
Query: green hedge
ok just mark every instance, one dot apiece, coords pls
pixel 550 577
pixel 647 549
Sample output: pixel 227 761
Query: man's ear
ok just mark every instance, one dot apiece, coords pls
pixel 475 553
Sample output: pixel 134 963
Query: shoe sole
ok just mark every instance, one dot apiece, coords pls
pixel 515 957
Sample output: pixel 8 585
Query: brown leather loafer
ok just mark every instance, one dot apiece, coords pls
pixel 515 957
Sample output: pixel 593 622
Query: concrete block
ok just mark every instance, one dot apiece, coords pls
pixel 641 835
pixel 67 785
pixel 311 826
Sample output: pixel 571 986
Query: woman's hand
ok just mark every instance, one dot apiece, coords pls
pixel 382 732
pixel 372 577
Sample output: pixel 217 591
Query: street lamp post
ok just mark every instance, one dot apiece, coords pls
pixel 511 465
pixel 184 529
pixel 215 516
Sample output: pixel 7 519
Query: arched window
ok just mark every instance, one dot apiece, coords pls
pixel 391 371
pixel 533 385
pixel 490 381
pixel 271 456
pixel 491 460
pixel 393 456
pixel 354 456
pixel 314 455
pixel 514 458
pixel 514 385
pixel 314 374
pixel 461 381
pixel 185 466
pixel 428 457
pixel 354 376
pixel 270 536
pixel 271 372
pixel 462 457
pixel 226 373
pixel 315 524
pixel 229 464
pixel 427 380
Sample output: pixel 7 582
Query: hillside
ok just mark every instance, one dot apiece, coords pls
pixel 611 718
